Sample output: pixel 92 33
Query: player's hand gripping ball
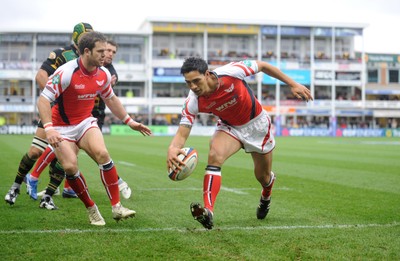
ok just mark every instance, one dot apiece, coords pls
pixel 190 161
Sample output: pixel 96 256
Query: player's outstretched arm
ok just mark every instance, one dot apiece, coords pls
pixel 118 110
pixel 298 90
pixel 134 125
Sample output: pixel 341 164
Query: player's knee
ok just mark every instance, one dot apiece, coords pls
pixel 68 166
pixel 102 156
pixel 37 147
pixel 34 153
pixel 40 133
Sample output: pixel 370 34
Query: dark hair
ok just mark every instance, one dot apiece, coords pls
pixel 194 64
pixel 113 43
pixel 88 40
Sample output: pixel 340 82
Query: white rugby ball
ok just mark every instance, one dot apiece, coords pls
pixel 190 161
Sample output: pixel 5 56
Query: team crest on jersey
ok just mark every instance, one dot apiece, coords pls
pixel 56 79
pixel 100 83
pixel 247 63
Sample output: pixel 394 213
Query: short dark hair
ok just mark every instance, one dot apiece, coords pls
pixel 113 43
pixel 194 64
pixel 89 39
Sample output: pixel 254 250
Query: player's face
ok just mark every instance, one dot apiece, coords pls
pixel 98 55
pixel 111 50
pixel 197 82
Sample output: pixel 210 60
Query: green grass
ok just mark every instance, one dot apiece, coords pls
pixel 334 199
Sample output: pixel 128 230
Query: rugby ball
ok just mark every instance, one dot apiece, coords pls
pixel 190 161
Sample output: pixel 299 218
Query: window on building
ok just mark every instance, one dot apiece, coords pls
pixel 129 54
pixel 321 48
pixel 393 75
pixel 129 89
pixel 175 90
pixel 215 46
pixel 373 75
pixel 185 45
pixel 268 47
pixel 239 46
pixel 161 45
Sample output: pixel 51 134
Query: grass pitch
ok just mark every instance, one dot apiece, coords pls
pixel 334 199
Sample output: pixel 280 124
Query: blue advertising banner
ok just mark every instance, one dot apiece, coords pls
pixel 293 30
pixel 300 76
pixel 161 74
pixel 269 30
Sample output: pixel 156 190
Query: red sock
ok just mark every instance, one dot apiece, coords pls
pixel 47 156
pixel 267 191
pixel 66 185
pixel 211 187
pixel 78 184
pixel 109 177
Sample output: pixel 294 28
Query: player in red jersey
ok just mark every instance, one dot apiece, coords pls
pixel 70 127
pixel 242 124
pixel 48 155
pixel 39 143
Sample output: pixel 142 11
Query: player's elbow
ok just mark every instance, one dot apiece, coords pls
pixel 41 78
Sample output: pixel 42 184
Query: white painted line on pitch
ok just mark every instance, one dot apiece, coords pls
pixel 236 190
pixel 125 230
pixel 126 163
pixel 168 189
pixel 362 142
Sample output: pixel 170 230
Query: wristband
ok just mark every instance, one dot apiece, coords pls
pixel 46 129
pixel 127 119
pixel 48 124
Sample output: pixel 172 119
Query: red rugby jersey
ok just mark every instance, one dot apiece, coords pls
pixel 73 90
pixel 233 101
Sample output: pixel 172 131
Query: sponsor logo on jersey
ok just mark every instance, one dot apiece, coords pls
pixel 230 89
pixel 79 86
pixel 89 96
pixel 100 83
pixel 227 104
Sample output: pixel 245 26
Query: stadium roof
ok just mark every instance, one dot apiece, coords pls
pixel 251 22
